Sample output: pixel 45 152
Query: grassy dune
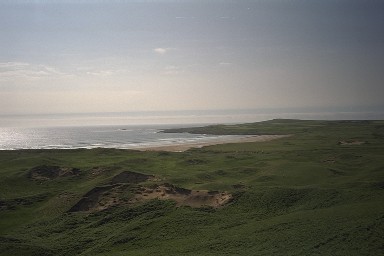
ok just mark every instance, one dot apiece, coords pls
pixel 318 192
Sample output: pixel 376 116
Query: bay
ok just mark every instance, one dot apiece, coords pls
pixel 122 137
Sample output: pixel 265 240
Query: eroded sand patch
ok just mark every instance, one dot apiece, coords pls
pixel 182 196
pixel 102 198
pixel 125 189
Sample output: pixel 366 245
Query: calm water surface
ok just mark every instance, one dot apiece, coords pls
pixel 124 137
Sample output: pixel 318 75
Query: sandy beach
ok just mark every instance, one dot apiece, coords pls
pixel 180 147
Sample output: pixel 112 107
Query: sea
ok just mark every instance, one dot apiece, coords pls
pixel 122 137
pixel 136 130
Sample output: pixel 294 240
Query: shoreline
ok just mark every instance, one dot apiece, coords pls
pixel 177 146
pixel 181 147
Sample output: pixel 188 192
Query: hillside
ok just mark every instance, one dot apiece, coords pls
pixel 317 192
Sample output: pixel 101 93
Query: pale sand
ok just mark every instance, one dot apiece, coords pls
pixel 222 140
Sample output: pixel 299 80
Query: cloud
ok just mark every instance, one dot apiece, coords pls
pixel 51 70
pixel 172 70
pixel 12 65
pixel 101 73
pixel 26 71
pixel 161 51
pixel 105 72
pixel 185 17
pixel 225 63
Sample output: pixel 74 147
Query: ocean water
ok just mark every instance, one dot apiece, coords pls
pixel 134 130
pixel 123 137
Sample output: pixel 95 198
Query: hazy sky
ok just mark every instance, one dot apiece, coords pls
pixel 110 56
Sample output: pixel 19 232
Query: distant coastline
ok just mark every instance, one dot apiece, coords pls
pixel 187 117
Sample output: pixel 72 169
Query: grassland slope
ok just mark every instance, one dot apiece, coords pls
pixel 317 192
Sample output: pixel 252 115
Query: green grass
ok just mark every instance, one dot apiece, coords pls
pixel 302 195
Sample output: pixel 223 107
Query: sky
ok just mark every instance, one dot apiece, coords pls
pixel 116 56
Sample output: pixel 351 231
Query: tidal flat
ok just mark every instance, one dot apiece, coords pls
pixel 319 191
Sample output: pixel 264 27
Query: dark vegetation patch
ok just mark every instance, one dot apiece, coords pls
pixel 47 172
pixel 248 170
pixel 164 153
pixel 97 199
pixel 195 161
pixel 265 178
pixel 130 177
pixel 351 142
pixel 205 176
pixel 221 172
pixel 11 204
pixel 139 160
pixel 378 185
pixel 172 189
pixel 331 160
pixel 337 172
pixel 378 132
pixel 9 246
pixel 284 200
pixel 239 186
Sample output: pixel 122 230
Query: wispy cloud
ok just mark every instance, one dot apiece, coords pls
pixel 102 73
pixel 172 70
pixel 161 51
pixel 12 65
pixel 225 63
pixel 27 71
pixel 185 17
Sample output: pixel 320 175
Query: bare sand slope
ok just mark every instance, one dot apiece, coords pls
pixel 221 140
